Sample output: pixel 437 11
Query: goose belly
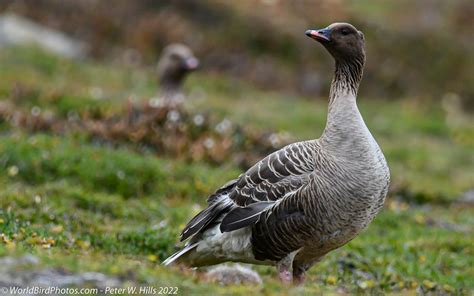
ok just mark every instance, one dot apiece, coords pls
pixel 342 224
pixel 315 249
pixel 340 215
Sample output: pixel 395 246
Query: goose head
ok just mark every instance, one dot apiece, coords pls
pixel 176 61
pixel 343 41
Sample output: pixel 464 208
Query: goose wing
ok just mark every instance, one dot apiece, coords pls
pixel 276 175
pixel 241 216
pixel 240 202
pixel 284 227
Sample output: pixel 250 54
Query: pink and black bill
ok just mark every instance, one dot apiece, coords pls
pixel 191 63
pixel 323 35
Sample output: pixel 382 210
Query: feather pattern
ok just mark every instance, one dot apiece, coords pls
pixel 275 175
pixel 180 253
pixel 240 217
pixel 206 217
pixel 270 179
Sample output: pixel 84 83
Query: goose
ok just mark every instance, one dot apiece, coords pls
pixel 176 61
pixel 307 199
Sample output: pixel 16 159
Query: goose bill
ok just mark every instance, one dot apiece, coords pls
pixel 319 35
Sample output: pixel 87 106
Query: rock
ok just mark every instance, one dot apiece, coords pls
pixel 19 272
pixel 16 30
pixel 58 278
pixel 232 275
pixel 29 259
pixel 8 262
pixel 467 198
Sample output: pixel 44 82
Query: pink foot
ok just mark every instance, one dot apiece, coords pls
pixel 285 276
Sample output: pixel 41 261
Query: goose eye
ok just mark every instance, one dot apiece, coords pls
pixel 345 32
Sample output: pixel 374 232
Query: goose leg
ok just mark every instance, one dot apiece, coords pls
pixel 284 273
pixel 299 275
pixel 300 268
pixel 284 267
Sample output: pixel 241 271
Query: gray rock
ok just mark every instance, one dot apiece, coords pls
pixel 7 263
pixel 16 30
pixel 24 272
pixel 232 275
pixel 467 198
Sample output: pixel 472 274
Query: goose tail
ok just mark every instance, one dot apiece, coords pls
pixel 176 256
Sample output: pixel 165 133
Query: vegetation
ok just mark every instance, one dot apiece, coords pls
pixel 85 205
pixel 427 43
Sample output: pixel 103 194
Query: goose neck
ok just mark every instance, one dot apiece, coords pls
pixel 344 120
pixel 347 77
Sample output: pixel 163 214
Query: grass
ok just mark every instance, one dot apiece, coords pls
pixel 83 206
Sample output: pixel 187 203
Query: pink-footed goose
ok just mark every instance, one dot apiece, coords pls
pixel 176 61
pixel 311 197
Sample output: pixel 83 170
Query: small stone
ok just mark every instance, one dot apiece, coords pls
pixel 233 275
pixel 467 198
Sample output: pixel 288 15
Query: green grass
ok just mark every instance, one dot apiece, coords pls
pixel 41 159
pixel 83 206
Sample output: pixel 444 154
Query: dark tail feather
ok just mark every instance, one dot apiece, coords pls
pixel 243 216
pixel 205 218
pixel 178 254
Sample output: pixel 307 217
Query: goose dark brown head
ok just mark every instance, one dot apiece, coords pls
pixel 176 61
pixel 342 40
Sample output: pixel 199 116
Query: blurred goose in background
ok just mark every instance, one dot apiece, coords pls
pixel 176 61
pixel 310 197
